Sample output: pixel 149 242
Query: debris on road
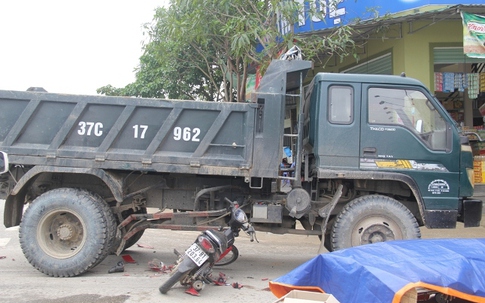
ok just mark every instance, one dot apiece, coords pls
pixel 191 291
pixel 221 281
pixel 128 259
pixel 119 267
pixel 159 266
pixel 145 246
pixel 237 285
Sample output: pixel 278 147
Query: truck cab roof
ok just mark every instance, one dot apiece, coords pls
pixel 365 78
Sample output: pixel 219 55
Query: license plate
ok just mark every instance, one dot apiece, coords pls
pixel 196 254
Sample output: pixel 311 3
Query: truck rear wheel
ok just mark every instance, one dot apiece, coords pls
pixel 131 241
pixel 65 232
pixel 371 219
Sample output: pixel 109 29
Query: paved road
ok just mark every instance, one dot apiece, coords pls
pixel 274 256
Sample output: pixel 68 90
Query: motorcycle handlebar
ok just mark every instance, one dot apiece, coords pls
pixel 229 201
pixel 252 234
pixel 247 227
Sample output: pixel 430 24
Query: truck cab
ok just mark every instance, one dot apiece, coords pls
pixel 388 135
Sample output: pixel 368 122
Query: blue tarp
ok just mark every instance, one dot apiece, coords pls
pixel 383 272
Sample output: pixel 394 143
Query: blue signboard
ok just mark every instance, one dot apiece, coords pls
pixel 347 11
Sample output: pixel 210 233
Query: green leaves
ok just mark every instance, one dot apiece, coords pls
pixel 203 49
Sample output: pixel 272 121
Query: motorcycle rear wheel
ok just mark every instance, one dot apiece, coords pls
pixel 229 257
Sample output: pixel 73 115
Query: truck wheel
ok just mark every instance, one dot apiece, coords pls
pixel 371 219
pixel 65 232
pixel 131 241
pixel 112 227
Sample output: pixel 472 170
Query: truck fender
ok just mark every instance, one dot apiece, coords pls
pixel 15 201
pixel 374 175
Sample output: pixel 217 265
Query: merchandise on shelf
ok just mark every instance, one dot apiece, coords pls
pixel 449 82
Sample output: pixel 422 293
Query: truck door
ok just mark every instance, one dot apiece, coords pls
pixel 338 124
pixel 404 131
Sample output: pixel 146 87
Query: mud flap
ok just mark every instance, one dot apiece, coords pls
pixel 472 213
pixel 325 212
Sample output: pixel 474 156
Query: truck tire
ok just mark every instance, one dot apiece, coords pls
pixel 66 231
pixel 112 228
pixel 131 241
pixel 371 219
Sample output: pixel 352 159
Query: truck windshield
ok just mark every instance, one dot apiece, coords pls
pixel 410 109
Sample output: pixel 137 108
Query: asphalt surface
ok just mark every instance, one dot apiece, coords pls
pixel 258 263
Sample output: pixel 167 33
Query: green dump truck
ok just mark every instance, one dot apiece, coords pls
pixel 354 159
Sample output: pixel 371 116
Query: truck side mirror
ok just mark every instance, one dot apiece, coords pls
pixel 3 162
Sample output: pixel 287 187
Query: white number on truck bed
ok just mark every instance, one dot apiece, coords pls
pixel 186 134
pixel 139 131
pixel 90 128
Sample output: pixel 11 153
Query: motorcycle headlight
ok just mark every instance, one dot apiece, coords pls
pixel 240 216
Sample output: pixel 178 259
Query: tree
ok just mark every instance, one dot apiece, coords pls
pixel 205 49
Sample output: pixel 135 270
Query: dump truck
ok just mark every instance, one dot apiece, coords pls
pixel 354 159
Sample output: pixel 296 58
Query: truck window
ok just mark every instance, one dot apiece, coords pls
pixel 340 104
pixel 410 109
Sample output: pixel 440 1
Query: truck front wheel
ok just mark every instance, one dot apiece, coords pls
pixel 371 219
pixel 66 231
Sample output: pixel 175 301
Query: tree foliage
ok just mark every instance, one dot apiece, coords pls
pixel 205 49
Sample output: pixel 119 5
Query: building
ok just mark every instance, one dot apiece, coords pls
pixel 422 38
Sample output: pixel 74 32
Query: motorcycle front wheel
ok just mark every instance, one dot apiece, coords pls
pixel 177 276
pixel 229 256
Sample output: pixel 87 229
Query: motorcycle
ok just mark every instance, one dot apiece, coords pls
pixel 211 248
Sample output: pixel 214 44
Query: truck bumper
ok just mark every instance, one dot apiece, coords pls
pixel 470 213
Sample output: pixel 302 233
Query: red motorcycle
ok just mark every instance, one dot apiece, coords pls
pixel 211 248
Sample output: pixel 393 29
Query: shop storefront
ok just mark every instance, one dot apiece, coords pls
pixel 458 81
pixel 423 39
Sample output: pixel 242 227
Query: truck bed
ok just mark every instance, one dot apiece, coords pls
pixel 173 136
